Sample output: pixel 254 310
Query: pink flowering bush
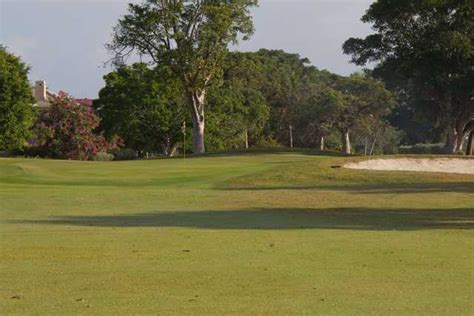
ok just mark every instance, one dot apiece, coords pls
pixel 66 130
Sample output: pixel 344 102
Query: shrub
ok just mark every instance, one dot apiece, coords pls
pixel 125 154
pixel 422 149
pixel 7 153
pixel 102 156
pixel 66 130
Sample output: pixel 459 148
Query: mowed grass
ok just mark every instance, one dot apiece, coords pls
pixel 264 233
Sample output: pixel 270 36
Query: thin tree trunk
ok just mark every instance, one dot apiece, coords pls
pixel 453 141
pixel 459 141
pixel 470 144
pixel 246 139
pixel 456 132
pixel 164 150
pixel 373 147
pixel 322 144
pixel 291 136
pixel 366 146
pixel 173 150
pixel 346 143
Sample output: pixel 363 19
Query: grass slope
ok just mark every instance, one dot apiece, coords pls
pixel 275 233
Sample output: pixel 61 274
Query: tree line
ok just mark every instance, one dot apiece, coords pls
pixel 266 98
pixel 419 92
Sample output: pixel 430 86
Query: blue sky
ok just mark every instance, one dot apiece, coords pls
pixel 63 40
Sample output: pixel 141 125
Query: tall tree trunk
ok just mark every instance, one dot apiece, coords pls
pixel 460 138
pixel 453 141
pixel 291 136
pixel 470 144
pixel 198 136
pixel 173 150
pixel 372 148
pixel 246 139
pixel 366 146
pixel 346 143
pixel 322 144
pixel 164 149
pixel 197 101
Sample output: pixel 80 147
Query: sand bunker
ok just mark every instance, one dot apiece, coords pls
pixel 446 165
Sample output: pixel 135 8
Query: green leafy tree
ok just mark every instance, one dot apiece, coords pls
pixel 418 127
pixel 424 49
pixel 282 78
pixel 144 106
pixel 17 114
pixel 374 135
pixel 237 115
pixel 285 78
pixel 190 36
pixel 315 117
pixel 364 98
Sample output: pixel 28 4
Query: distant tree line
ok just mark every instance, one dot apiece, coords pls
pixel 266 98
pixel 196 95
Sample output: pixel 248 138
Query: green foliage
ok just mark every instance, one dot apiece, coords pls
pixel 316 115
pixel 417 126
pixel 425 54
pixel 237 113
pixel 191 37
pixel 376 136
pixel 283 79
pixel 144 106
pixel 337 106
pixel 365 98
pixel 261 95
pixel 366 104
pixel 16 102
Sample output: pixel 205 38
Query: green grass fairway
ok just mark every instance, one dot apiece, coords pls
pixel 263 233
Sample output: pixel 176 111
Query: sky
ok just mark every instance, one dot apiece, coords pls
pixel 63 40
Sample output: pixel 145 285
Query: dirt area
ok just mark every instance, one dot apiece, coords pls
pixel 446 165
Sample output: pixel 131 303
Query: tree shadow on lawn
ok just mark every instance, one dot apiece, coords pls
pixel 380 188
pixel 273 218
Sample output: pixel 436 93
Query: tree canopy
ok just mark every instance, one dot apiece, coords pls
pixel 144 106
pixel 189 36
pixel 424 50
pixel 16 102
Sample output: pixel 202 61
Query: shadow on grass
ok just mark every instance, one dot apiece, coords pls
pixel 382 188
pixel 345 218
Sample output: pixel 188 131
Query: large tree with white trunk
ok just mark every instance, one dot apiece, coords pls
pixel 190 36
